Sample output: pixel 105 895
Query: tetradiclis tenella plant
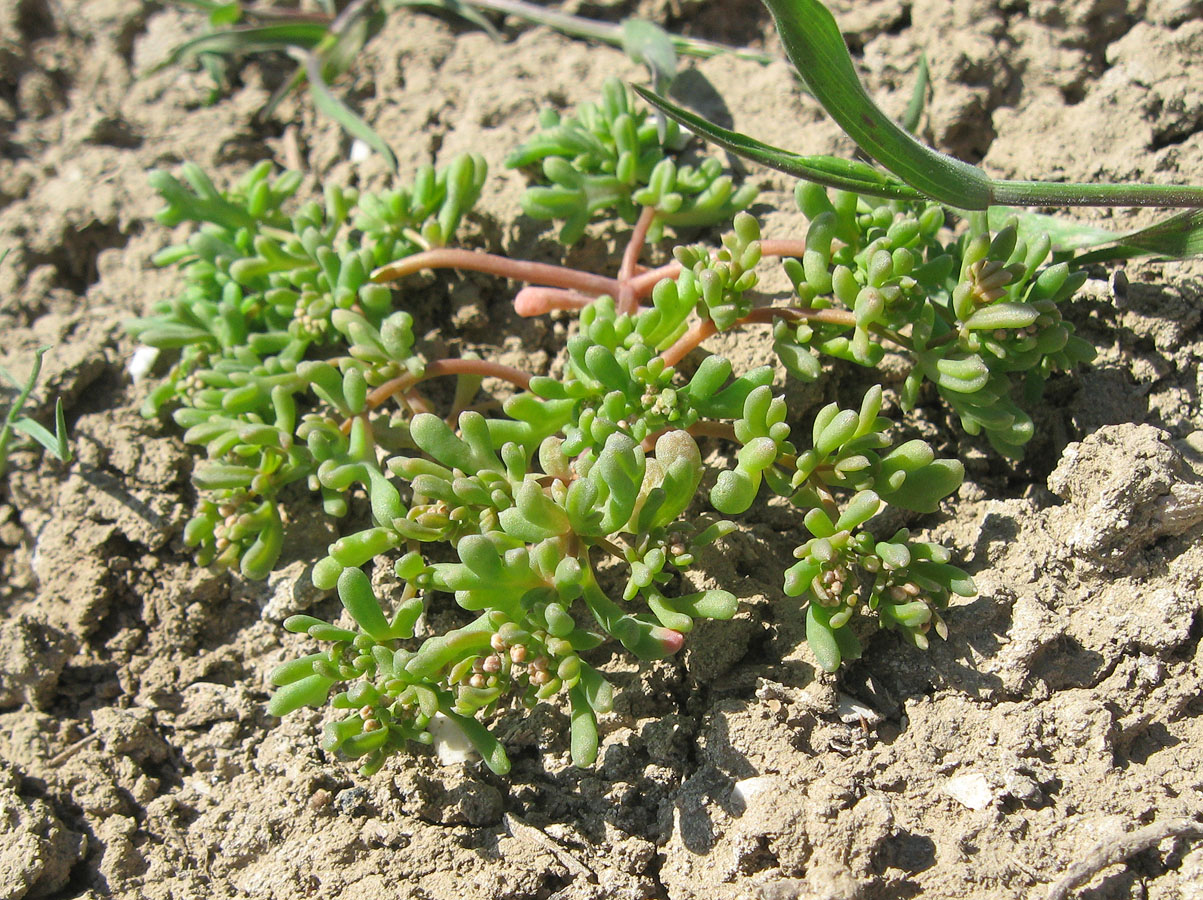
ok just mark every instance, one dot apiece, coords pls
pixel 566 518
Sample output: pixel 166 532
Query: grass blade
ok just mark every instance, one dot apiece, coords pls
pixel 815 46
pixel 830 171
pixel 1178 237
pixel 39 433
pixel 606 32
pixel 252 39
pixel 914 108
pixel 325 100
pixel 465 11
pixel 343 47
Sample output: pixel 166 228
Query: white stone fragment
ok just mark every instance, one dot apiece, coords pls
pixel 748 788
pixel 971 790
pixel 359 151
pixel 450 743
pixel 852 712
pixel 142 362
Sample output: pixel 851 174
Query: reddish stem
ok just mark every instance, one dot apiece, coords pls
pixel 417 403
pixel 705 328
pixel 684 345
pixel 403 383
pixel 701 428
pixel 643 283
pixel 538 301
pixel 628 302
pixel 783 248
pixel 492 264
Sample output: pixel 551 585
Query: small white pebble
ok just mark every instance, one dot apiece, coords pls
pixel 971 790
pixel 450 743
pixel 747 788
pixel 142 362
pixel 852 712
pixel 359 151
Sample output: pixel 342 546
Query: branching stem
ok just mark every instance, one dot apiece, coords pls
pixel 404 383
pixel 628 302
pixel 493 264
pixel 706 328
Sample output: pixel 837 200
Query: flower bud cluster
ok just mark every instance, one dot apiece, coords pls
pixel 718 283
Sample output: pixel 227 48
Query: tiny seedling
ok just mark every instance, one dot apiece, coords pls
pixel 568 516
pixel 15 423
pixel 54 443
pixel 325 44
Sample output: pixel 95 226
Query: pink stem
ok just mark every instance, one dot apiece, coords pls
pixel 684 345
pixel 538 301
pixel 705 328
pixel 783 248
pixel 628 302
pixel 403 383
pixel 417 403
pixel 518 270
pixel 643 283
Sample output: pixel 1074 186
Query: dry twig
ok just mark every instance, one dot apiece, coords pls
pixel 1108 853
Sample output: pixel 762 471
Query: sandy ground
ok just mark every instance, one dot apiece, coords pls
pixel 136 757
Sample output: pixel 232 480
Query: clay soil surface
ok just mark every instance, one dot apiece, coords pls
pixel 136 756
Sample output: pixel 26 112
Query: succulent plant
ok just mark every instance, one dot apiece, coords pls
pixel 575 513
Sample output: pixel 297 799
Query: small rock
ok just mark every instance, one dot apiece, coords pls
pixel 141 363
pixel 37 852
pixel 204 703
pixel 130 732
pixel 749 788
pixel 291 592
pixel 32 656
pixel 1023 789
pixel 971 790
pixel 852 712
pixel 352 801
pixel 451 745
pixel 1125 487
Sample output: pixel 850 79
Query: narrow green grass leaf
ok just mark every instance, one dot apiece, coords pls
pixel 590 29
pixel 254 39
pixel 294 81
pixel 815 46
pixel 203 5
pixel 1177 237
pixel 39 433
pixel 914 109
pixel 830 171
pixel 325 100
pixel 341 49
pixel 225 14
pixel 465 11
